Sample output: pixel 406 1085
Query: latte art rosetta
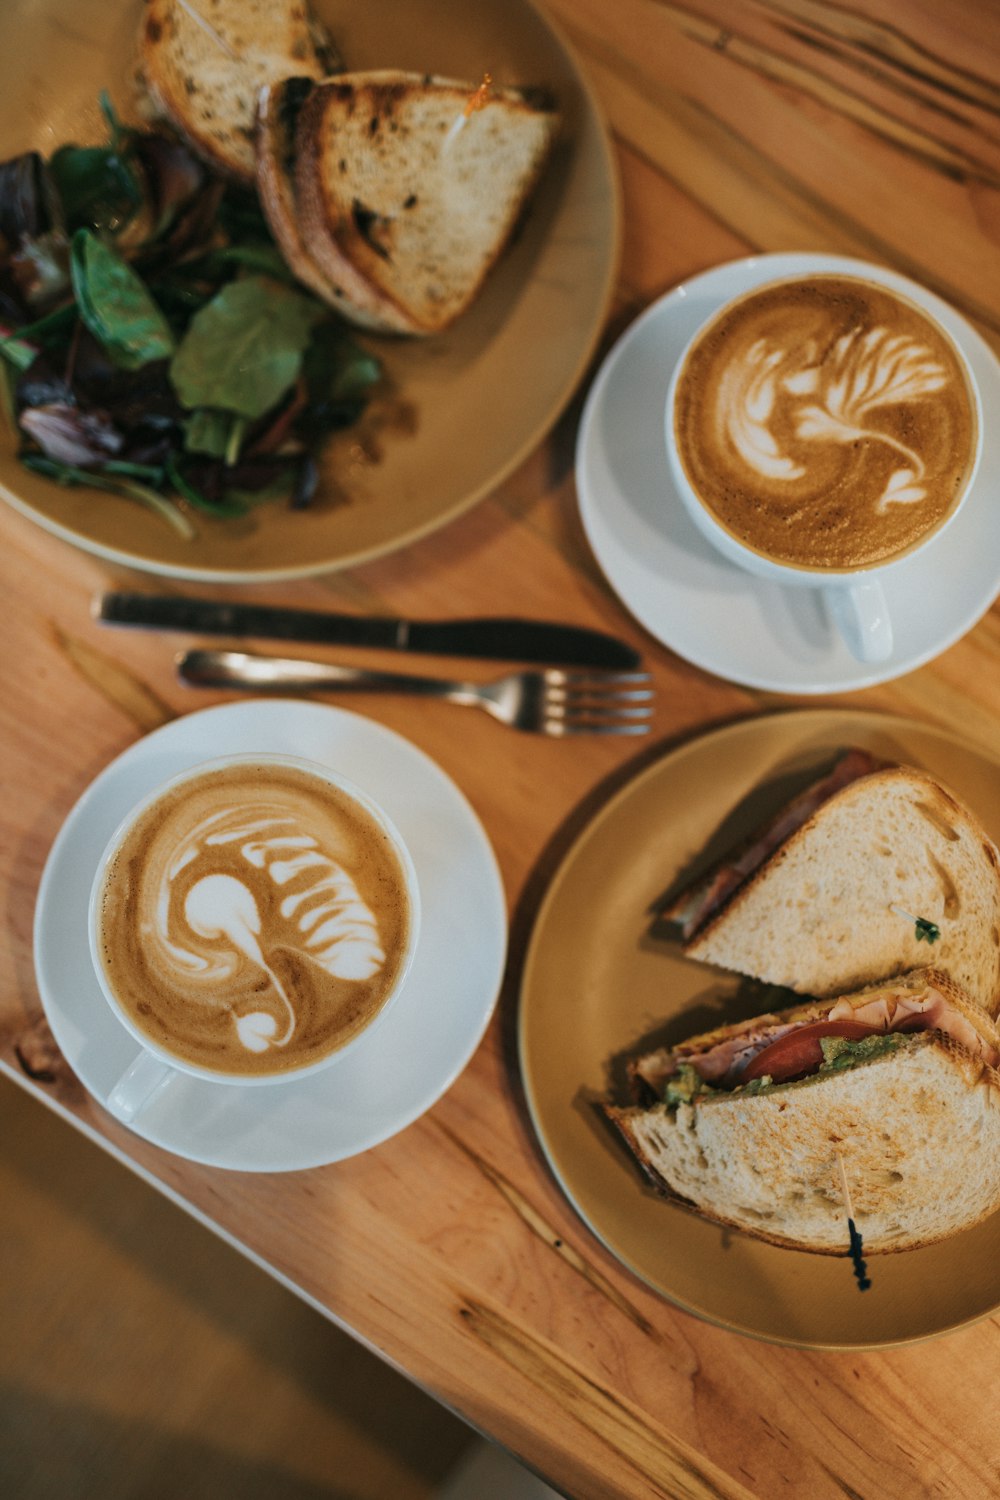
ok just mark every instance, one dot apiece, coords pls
pixel 828 400
pixel 254 919
pixel 825 422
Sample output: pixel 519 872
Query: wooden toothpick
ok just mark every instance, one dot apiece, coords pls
pixel 854 1237
pixel 476 100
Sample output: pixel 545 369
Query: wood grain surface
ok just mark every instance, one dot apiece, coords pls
pixel 873 129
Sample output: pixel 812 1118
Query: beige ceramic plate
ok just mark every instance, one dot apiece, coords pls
pixel 472 402
pixel 595 985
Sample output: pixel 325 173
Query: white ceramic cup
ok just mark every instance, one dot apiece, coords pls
pixel 155 1068
pixel 854 598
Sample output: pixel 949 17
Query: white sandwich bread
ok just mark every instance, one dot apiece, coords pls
pixel 873 870
pixel 202 66
pixel 893 1091
pixel 407 189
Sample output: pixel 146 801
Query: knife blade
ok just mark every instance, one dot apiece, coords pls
pixel 493 638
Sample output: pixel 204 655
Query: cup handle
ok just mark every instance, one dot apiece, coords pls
pixel 861 614
pixel 138 1086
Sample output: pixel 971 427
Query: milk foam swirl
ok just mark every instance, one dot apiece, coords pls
pixel 323 917
pixel 254 918
pixel 827 400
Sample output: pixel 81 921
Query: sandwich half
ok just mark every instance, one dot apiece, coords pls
pixel 408 189
pixel 893 1090
pixel 873 870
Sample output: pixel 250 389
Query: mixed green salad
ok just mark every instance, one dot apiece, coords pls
pixel 152 340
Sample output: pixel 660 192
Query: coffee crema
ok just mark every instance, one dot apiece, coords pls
pixel 826 423
pixel 254 919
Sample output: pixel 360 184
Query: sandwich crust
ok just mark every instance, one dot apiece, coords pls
pixel 278 107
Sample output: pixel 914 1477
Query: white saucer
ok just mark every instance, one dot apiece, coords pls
pixel 424 1042
pixel 715 616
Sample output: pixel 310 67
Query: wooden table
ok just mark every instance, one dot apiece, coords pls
pixel 869 129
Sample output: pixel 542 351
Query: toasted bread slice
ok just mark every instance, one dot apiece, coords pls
pixel 409 189
pixel 203 65
pixel 833 907
pixel 917 1129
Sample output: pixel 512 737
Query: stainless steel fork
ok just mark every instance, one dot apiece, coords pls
pixel 552 702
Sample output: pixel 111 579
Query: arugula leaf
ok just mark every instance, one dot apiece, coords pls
pixel 115 304
pixel 244 350
pixel 70 475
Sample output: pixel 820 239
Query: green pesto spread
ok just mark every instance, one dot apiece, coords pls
pixel 839 1052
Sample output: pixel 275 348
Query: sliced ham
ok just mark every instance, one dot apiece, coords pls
pixel 726 1064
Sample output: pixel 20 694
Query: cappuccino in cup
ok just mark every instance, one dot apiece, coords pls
pixel 826 423
pixel 253 918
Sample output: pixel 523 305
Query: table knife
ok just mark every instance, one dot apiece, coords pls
pixel 495 638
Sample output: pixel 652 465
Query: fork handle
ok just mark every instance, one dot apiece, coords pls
pixel 269 674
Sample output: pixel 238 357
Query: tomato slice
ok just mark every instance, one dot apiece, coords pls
pixel 798 1053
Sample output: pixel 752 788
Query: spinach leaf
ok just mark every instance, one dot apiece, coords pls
pixel 265 259
pixel 337 368
pixel 339 376
pixel 208 431
pixel 115 304
pixel 244 350
pixel 97 188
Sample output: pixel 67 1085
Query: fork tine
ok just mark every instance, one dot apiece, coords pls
pixel 563 728
pixel 580 688
pixel 597 676
pixel 609 697
pixel 583 702
pixel 597 709
pixel 595 702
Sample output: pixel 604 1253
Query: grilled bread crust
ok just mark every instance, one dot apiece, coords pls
pixel 278 106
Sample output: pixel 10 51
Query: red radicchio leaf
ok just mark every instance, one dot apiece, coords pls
pixel 71 436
